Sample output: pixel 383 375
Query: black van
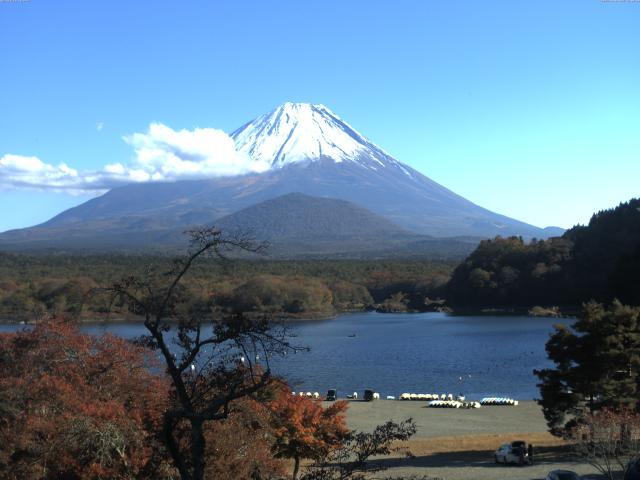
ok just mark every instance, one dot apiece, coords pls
pixel 332 395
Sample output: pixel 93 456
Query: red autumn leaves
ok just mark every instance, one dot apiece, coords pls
pixel 304 429
pixel 78 405
pixel 81 406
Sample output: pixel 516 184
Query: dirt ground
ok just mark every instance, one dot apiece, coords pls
pixel 453 444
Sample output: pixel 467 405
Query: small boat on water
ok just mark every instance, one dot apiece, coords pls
pixel 352 335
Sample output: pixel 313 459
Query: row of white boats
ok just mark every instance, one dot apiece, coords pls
pixel 453 404
pixel 435 400
pixel 430 396
pixel 448 401
pixel 498 401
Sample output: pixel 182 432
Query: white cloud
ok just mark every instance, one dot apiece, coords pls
pixel 161 154
pixel 167 154
pixel 99 126
pixel 19 171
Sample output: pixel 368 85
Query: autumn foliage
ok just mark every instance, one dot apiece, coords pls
pixel 240 445
pixel 303 429
pixel 609 440
pixel 78 406
pixel 75 406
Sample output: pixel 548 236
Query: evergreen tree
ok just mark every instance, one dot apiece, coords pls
pixel 597 362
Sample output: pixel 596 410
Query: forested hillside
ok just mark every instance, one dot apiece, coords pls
pixel 600 261
pixel 33 285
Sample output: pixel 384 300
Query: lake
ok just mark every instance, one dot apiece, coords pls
pixel 416 353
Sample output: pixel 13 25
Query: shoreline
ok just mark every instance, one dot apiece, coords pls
pixel 319 316
pixel 91 320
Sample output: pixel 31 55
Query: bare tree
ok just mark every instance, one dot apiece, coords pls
pixel 608 440
pixel 211 359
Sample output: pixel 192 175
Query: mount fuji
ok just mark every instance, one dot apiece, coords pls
pixel 301 132
pixel 310 151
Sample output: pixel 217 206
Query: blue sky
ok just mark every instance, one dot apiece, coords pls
pixel 530 109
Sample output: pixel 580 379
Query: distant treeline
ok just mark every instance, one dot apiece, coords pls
pixel 600 261
pixel 33 285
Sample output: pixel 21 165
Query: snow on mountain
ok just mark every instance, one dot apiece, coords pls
pixel 299 132
pixel 311 151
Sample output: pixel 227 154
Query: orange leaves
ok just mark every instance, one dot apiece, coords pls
pixel 81 406
pixel 608 439
pixel 240 445
pixel 608 425
pixel 304 429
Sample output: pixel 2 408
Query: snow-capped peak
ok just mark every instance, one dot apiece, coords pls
pixel 296 132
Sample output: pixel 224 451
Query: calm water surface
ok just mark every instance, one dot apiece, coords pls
pixel 419 353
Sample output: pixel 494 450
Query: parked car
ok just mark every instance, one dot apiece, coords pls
pixel 562 475
pixel 368 395
pixel 514 452
pixel 633 470
pixel 332 395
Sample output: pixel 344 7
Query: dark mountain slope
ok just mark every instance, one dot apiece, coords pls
pixel 295 225
pixel 299 216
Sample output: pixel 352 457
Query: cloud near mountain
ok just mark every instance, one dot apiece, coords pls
pixel 167 154
pixel 19 171
pixel 161 154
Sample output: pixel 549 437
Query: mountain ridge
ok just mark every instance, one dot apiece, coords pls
pixel 340 164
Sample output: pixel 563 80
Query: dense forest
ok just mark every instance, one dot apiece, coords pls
pixel 600 261
pixel 34 285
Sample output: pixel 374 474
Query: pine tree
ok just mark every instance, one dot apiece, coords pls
pixel 597 364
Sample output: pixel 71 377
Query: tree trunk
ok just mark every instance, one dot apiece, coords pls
pixel 197 449
pixel 296 467
pixel 173 447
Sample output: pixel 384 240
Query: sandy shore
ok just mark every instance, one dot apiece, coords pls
pixel 457 444
pixel 438 422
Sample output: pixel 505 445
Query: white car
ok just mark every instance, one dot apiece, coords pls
pixel 514 452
